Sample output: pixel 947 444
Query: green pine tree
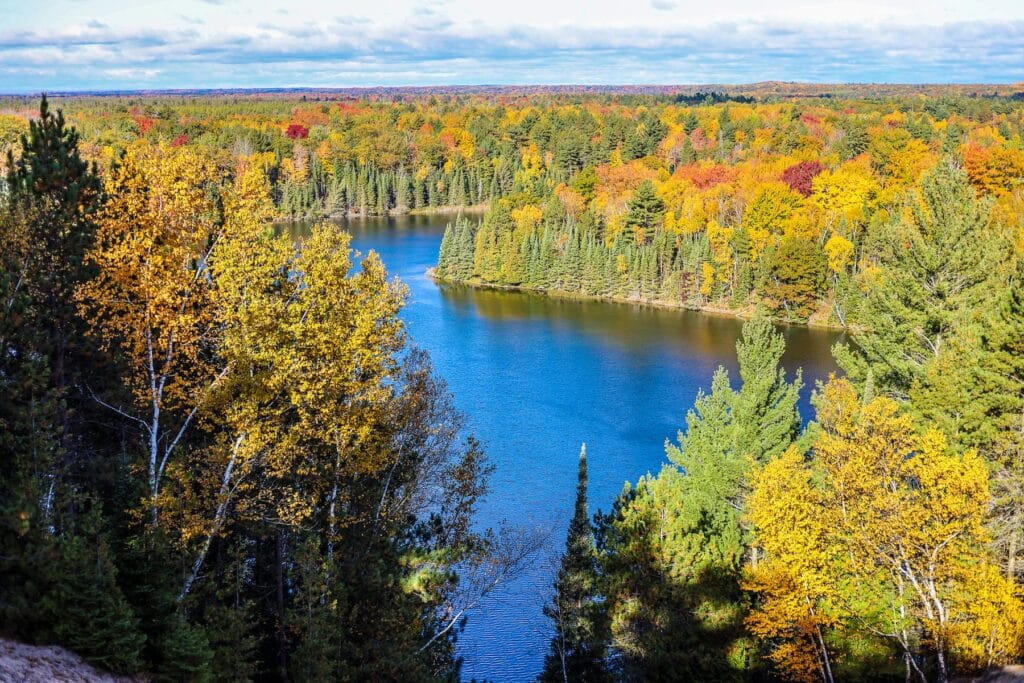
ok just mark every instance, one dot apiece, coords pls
pixel 55 196
pixel 764 412
pixel 674 595
pixel 577 647
pixel 645 210
pixel 186 654
pixel 936 266
pixel 975 393
pixel 446 257
pixel 87 612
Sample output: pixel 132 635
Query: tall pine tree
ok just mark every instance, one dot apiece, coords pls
pixel 935 266
pixel 674 547
pixel 577 646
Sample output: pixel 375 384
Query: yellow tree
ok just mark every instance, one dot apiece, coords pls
pixel 767 216
pixel 249 273
pixel 838 251
pixel 314 351
pixel 843 195
pixel 902 517
pixel 794 580
pixel 906 505
pixel 152 299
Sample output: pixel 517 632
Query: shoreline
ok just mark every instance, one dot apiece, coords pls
pixel 710 309
pixel 446 210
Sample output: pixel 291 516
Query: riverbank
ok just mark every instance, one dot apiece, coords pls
pixel 819 320
pixel 450 210
pixel 446 210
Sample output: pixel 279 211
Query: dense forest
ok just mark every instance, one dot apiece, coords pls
pixel 716 200
pixel 222 457
pixel 881 542
pixel 725 205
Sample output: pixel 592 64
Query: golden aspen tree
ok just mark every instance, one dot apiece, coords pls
pixel 153 299
pixel 795 579
pixel 904 516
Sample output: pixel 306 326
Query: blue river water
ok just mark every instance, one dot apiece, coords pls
pixel 536 377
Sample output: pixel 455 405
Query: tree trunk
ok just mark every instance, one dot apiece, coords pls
pixel 825 661
pixel 940 661
pixel 282 643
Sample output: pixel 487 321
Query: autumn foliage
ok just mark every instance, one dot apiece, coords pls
pixel 297 131
pixel 799 176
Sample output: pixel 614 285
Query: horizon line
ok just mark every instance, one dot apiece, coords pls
pixel 641 88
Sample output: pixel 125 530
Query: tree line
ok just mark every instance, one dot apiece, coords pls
pixel 731 206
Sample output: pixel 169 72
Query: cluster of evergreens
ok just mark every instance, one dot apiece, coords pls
pixel 883 541
pixel 220 458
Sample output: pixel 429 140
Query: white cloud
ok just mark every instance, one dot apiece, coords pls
pixel 233 43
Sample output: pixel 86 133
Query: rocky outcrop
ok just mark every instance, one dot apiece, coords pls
pixel 21 663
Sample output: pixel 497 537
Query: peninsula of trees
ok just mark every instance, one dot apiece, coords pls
pixel 727 205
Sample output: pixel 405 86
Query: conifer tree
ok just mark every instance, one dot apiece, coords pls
pixel 56 195
pixel 87 610
pixel 645 210
pixel 764 413
pixel 999 387
pixel 684 608
pixel 975 393
pixel 577 646
pixel 446 256
pixel 936 265
pixel 186 654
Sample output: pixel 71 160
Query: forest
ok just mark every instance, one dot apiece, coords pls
pixel 728 206
pixel 223 457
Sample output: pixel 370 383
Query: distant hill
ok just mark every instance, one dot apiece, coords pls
pixel 764 89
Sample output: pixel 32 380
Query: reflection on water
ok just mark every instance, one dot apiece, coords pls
pixel 536 376
pixel 636 327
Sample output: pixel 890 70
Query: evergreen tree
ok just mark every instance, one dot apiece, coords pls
pixel 975 393
pixel 577 646
pixel 56 196
pixel 446 257
pixel 186 654
pixel 29 434
pixel 999 388
pixel 764 411
pixel 684 609
pixel 645 210
pixel 86 609
pixel 936 265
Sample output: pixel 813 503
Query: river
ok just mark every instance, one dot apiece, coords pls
pixel 536 377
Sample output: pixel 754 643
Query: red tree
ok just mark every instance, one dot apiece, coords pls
pixel 706 176
pixel 144 123
pixel 799 176
pixel 297 131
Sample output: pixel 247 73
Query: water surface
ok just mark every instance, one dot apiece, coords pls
pixel 536 376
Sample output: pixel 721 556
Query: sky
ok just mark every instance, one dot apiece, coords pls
pixel 120 44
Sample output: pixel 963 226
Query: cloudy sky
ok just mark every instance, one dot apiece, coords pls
pixel 97 44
